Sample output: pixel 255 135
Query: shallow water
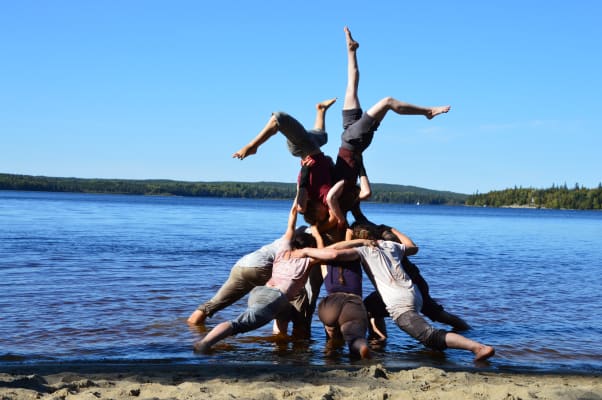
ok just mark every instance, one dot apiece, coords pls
pixel 97 278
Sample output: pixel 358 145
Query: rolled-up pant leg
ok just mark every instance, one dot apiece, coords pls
pixel 414 325
pixel 240 282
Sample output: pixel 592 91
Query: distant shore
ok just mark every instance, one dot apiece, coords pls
pixel 164 381
pixel 556 197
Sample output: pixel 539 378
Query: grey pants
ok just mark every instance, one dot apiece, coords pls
pixel 414 325
pixel 240 282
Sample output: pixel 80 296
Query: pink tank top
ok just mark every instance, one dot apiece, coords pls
pixel 289 276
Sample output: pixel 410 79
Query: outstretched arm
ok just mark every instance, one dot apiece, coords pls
pixel 292 221
pixel 348 244
pixel 327 254
pixel 411 247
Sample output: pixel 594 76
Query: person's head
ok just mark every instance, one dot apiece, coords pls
pixel 370 231
pixel 315 212
pixel 365 231
pixel 387 234
pixel 301 239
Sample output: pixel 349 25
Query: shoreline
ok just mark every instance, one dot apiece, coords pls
pixel 221 381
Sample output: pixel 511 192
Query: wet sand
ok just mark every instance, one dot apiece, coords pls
pixel 166 381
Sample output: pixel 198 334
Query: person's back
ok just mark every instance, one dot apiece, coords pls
pixel 383 266
pixel 344 278
pixel 289 274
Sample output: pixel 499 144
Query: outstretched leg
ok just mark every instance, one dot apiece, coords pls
pixel 481 351
pixel 321 108
pixel 270 129
pixel 218 333
pixel 379 110
pixel 353 74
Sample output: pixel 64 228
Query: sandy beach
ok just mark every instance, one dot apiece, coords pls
pixel 159 381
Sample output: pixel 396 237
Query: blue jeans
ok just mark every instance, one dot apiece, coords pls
pixel 265 304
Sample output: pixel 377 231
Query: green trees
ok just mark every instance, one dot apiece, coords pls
pixel 262 190
pixel 559 197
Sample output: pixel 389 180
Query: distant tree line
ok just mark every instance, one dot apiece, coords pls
pixel 559 197
pixel 264 190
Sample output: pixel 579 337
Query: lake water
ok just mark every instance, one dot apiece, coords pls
pixel 112 278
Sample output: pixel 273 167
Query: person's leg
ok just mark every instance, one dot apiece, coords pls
pixel 220 332
pixel 353 320
pixel 430 307
pixel 321 108
pixel 225 296
pixel 481 351
pixel 264 305
pixel 353 75
pixel 240 282
pixel 414 325
pixel 379 110
pixel 445 317
pixel 270 129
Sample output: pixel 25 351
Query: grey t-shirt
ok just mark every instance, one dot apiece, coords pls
pixel 394 285
pixel 263 257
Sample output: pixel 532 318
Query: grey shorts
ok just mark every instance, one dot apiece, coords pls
pixel 265 304
pixel 414 325
pixel 300 141
pixel 358 131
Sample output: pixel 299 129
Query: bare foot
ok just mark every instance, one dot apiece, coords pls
pixel 352 45
pixel 484 352
pixel 325 104
pixel 197 317
pixel 201 347
pixel 246 151
pixel 437 110
pixel 365 353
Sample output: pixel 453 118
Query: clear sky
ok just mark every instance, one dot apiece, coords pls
pixel 144 89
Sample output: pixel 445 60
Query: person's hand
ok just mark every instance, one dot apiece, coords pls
pixel 371 242
pixel 308 161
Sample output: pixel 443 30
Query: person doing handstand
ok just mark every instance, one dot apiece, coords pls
pixel 304 144
pixel 359 128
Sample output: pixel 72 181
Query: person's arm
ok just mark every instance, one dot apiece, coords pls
pixel 330 223
pixel 326 254
pixel 348 234
pixel 365 189
pixel 302 188
pixel 332 199
pixel 316 234
pixel 292 221
pixel 320 245
pixel 411 247
pixel 348 244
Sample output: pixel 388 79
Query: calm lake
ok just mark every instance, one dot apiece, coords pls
pixel 112 278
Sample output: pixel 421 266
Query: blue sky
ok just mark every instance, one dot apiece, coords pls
pixel 170 89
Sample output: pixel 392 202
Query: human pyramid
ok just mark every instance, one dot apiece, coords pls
pixel 280 277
